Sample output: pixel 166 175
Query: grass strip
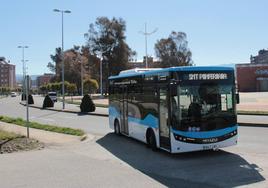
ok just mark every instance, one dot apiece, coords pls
pixel 52 128
pixel 4 135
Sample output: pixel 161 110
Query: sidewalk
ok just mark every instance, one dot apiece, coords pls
pixel 253 102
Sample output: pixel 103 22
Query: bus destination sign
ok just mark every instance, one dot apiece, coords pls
pixel 205 76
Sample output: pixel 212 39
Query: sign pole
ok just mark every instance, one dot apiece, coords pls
pixel 27 105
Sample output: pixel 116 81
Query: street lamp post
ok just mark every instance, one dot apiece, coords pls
pixel 146 34
pixel 62 54
pixel 23 69
pixel 101 91
pixel 103 58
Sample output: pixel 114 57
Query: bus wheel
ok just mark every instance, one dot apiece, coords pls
pixel 116 127
pixel 151 140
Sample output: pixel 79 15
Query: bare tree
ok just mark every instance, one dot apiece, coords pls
pixel 174 51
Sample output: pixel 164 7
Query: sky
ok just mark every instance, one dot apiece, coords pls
pixel 218 31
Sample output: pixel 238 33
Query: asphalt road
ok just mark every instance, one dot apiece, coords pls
pixel 91 124
pixel 116 161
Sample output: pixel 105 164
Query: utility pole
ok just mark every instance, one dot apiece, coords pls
pixel 146 34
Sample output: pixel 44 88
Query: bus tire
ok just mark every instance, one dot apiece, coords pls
pixel 151 141
pixel 116 127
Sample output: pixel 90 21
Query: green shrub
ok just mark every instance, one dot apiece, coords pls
pixel 23 97
pixel 87 104
pixel 48 102
pixel 30 99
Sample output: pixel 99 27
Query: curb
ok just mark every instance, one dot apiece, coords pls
pixel 252 125
pixel 67 111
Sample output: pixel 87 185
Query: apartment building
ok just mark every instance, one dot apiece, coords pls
pixel 7 74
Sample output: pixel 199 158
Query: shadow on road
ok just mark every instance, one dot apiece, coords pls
pixel 195 169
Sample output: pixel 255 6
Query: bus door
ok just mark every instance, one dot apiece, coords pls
pixel 124 111
pixel 164 131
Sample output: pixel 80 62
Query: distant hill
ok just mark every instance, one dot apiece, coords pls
pixel 19 77
pixel 34 77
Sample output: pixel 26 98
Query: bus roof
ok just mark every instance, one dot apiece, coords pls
pixel 138 72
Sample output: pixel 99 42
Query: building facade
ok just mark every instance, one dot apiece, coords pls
pixel 252 77
pixel 44 79
pixel 261 58
pixel 7 74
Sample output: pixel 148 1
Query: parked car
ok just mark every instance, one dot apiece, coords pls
pixel 13 94
pixel 53 96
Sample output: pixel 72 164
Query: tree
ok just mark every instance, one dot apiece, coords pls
pixel 174 51
pixel 90 85
pixel 55 66
pixel 87 104
pixel 5 91
pixel 107 39
pixel 48 102
pixel 43 89
pixel 71 88
pixel 92 66
pixel 72 65
pixel 30 99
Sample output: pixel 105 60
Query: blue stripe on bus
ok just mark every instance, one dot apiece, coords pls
pixel 206 134
pixel 149 120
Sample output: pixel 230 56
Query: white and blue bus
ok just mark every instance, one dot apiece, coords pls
pixel 178 109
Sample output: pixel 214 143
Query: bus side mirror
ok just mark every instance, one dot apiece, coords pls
pixel 237 98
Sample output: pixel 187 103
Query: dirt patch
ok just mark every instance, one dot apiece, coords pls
pixel 20 144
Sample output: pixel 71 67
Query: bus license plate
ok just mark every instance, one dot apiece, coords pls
pixel 210 147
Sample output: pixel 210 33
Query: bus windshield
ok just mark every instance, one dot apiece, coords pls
pixel 203 107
